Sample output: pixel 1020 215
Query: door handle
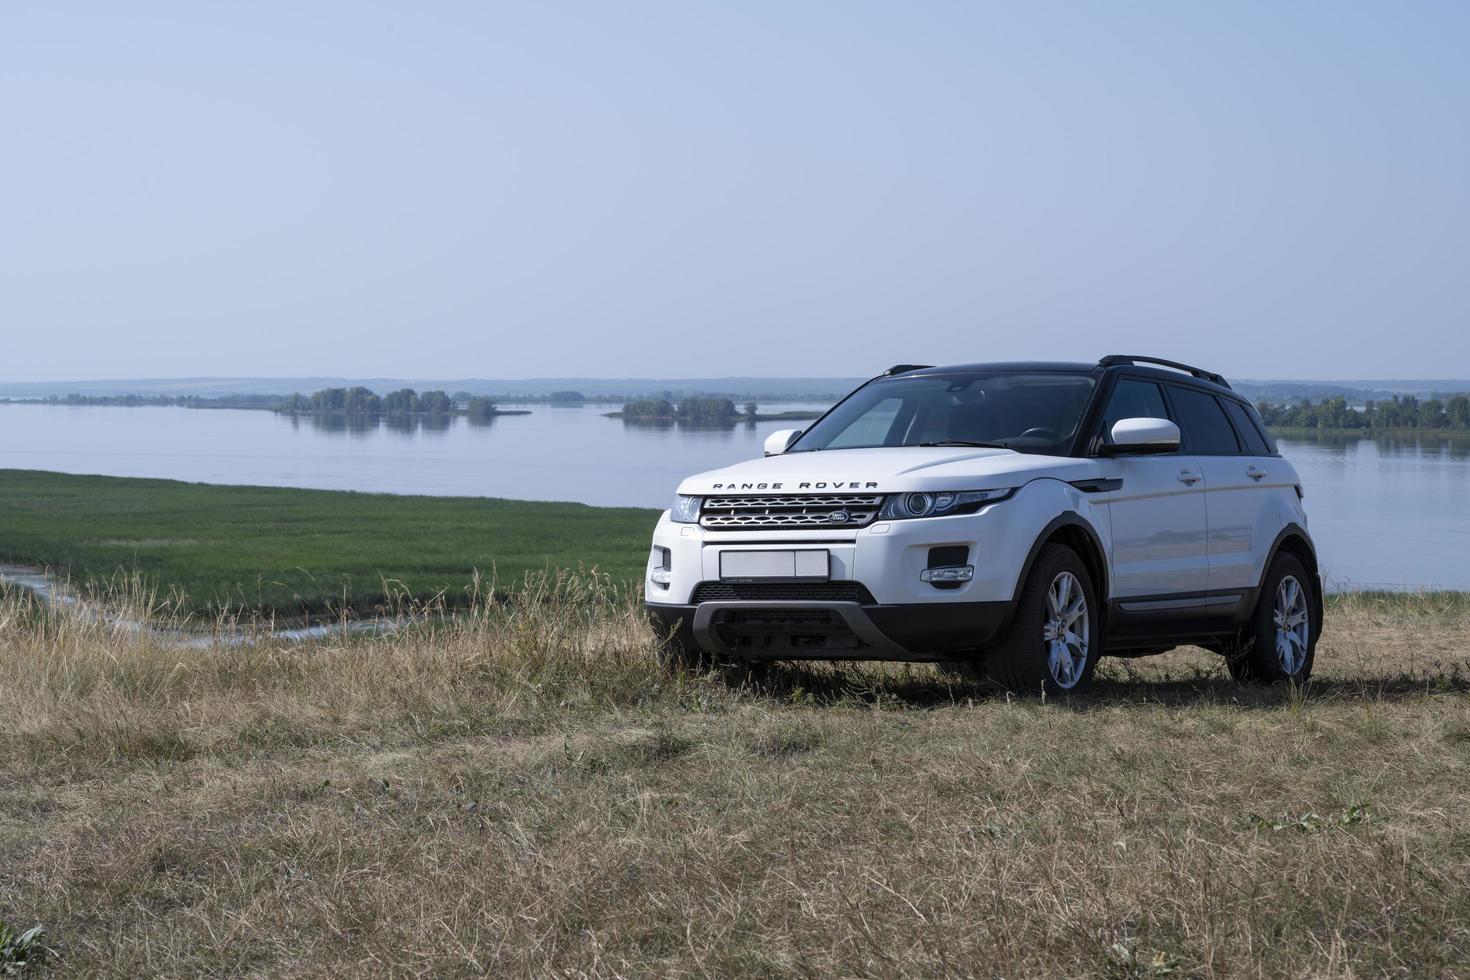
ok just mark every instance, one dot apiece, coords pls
pixel 1255 473
pixel 1188 477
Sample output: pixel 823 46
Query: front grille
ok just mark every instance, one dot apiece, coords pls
pixel 799 510
pixel 782 592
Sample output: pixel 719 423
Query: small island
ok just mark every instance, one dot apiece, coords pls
pixel 405 402
pixel 701 411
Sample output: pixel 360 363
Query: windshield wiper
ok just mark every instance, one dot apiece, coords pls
pixel 965 442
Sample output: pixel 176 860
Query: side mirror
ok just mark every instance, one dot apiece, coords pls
pixel 780 441
pixel 1143 436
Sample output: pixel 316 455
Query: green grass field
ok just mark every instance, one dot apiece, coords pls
pixel 295 551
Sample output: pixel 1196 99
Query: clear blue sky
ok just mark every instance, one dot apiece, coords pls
pixel 689 188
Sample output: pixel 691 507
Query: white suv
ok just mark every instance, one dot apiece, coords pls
pixel 1020 519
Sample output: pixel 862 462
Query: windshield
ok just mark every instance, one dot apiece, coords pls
pixel 1030 412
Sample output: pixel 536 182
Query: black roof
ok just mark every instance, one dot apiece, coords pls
pixel 1111 363
pixel 1071 367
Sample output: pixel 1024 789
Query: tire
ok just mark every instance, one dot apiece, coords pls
pixel 1268 653
pixel 1028 661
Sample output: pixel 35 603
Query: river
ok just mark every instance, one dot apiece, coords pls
pixel 1386 512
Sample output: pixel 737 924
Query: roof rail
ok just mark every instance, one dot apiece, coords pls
pixel 901 368
pixel 1200 373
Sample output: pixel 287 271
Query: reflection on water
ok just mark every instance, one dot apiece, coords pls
pixel 342 423
pixel 1387 511
pixel 1451 446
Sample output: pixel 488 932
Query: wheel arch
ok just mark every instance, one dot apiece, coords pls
pixel 1077 533
pixel 1294 540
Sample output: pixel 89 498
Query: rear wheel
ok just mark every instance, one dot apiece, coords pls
pixel 1053 642
pixel 1280 642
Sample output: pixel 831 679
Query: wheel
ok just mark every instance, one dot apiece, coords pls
pixel 1280 641
pixel 1053 642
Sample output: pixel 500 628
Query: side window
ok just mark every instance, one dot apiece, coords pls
pixel 1261 429
pixel 1202 422
pixel 1133 399
pixel 1255 443
pixel 871 428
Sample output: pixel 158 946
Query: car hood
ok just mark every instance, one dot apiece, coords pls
pixel 888 470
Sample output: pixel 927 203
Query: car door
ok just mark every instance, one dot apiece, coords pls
pixel 1243 505
pixel 1158 511
pixel 1210 438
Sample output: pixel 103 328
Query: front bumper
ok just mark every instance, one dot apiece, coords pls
pixel 888 557
pixel 896 614
pixel 812 629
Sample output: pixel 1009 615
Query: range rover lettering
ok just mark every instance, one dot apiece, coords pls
pixel 1015 521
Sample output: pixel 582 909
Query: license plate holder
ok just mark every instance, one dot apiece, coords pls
pixel 805 565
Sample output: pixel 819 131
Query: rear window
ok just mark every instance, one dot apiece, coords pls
pixel 1255 417
pixel 1254 439
pixel 1202 422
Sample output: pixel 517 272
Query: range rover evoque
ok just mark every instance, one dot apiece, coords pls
pixel 1014 520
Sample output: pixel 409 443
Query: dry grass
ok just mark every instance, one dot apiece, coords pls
pixel 520 791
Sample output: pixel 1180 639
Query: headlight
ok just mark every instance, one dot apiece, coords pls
pixel 685 509
pixel 923 504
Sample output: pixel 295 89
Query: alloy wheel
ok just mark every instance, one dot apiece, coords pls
pixel 1066 630
pixel 1292 625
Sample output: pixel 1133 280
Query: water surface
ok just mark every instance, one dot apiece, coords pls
pixel 1388 512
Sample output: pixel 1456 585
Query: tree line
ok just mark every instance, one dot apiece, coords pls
pixel 146 401
pixel 1398 412
pixel 404 401
pixel 709 410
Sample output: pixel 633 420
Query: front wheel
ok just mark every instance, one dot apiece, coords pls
pixel 1054 639
pixel 1280 642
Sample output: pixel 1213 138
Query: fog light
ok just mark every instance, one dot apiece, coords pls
pixel 663 563
pixel 953 573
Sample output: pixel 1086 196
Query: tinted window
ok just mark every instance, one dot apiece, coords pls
pixel 1255 443
pixel 1202 422
pixel 1265 433
pixel 1133 399
pixel 1028 411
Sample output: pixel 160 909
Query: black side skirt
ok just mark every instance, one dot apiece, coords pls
pixel 1141 622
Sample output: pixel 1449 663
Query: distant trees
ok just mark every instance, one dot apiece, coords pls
pixel 649 408
pixel 1399 412
pixel 146 401
pixel 480 408
pixel 705 411
pixel 751 409
pixel 1457 411
pixel 567 396
pixel 436 403
pixel 348 401
pixel 404 401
